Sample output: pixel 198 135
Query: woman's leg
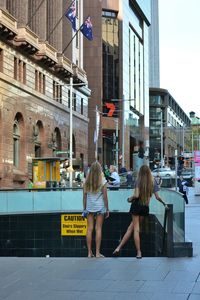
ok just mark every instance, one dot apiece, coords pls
pixel 125 238
pixel 136 234
pixel 90 226
pixel 98 229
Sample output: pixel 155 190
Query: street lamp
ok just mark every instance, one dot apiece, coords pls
pixel 71 84
pixel 161 138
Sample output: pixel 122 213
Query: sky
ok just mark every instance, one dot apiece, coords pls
pixel 179 33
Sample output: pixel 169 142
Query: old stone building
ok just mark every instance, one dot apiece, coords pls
pixel 35 99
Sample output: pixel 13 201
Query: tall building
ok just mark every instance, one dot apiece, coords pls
pixel 154 55
pixel 118 72
pixel 36 65
pixel 168 128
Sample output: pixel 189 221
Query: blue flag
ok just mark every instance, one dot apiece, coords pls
pixel 86 29
pixel 71 14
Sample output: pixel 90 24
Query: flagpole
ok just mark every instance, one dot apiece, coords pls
pixel 74 35
pixel 71 40
pixel 59 21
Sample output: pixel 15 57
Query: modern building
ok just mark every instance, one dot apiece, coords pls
pixel 195 129
pixel 168 127
pixel 154 53
pixel 35 92
pixel 118 72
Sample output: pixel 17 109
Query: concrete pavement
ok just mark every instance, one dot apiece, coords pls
pixel 107 278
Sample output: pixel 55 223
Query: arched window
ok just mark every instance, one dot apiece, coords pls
pixel 16 142
pixel 37 137
pixel 56 139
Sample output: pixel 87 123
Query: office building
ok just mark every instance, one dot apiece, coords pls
pixel 34 88
pixel 118 72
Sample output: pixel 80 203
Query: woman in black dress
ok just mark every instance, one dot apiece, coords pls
pixel 144 188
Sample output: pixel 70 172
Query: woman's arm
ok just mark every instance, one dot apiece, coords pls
pixel 135 195
pixel 84 199
pixel 159 199
pixel 105 199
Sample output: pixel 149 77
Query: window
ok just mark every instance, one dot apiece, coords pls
pixel 74 101
pixel 57 92
pixel 19 70
pixel 81 106
pixel 40 84
pixel 1 60
pixel 16 139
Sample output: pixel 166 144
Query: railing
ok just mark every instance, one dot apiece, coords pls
pixel 68 200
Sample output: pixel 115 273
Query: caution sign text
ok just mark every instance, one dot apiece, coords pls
pixel 73 224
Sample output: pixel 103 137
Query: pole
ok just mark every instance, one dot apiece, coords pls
pixel 161 140
pixel 176 167
pixel 117 144
pixel 122 147
pixel 71 134
pixel 97 133
pixel 183 139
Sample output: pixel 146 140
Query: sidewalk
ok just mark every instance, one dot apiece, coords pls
pixel 109 278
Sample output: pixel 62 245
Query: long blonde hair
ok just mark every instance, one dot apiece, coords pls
pixel 93 182
pixel 145 183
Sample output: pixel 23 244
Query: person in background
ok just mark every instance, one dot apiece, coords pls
pixel 123 170
pixel 80 178
pixel 114 179
pixel 30 184
pixel 144 188
pixel 95 206
pixel 129 179
pixel 158 180
pixel 183 188
pixel 106 172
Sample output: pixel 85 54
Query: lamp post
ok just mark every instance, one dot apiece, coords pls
pixel 71 84
pixel 71 134
pixel 176 167
pixel 161 138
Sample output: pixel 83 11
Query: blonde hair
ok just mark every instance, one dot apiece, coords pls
pixel 145 183
pixel 93 182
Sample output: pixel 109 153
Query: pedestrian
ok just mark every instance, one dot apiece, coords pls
pixel 95 206
pixel 129 179
pixel 144 188
pixel 183 188
pixel 113 179
pixel 158 180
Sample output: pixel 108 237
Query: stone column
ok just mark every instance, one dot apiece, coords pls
pixel 3 4
pixel 19 9
pixel 37 19
pixel 54 29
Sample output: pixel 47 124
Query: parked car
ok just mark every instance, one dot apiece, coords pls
pixel 164 172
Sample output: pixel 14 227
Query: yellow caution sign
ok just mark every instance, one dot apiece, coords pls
pixel 73 224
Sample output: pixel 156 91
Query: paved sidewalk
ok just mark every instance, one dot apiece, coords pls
pixel 107 278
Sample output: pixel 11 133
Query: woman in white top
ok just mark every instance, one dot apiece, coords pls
pixel 95 204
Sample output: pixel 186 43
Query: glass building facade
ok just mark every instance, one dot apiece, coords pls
pixel 126 78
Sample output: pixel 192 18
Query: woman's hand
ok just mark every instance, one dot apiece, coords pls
pixel 107 214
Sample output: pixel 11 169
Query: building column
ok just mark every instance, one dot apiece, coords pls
pixel 3 4
pixel 54 13
pixel 19 9
pixel 37 18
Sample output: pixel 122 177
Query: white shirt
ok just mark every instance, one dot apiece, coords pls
pixel 116 182
pixel 95 201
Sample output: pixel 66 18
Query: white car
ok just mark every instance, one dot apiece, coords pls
pixel 164 172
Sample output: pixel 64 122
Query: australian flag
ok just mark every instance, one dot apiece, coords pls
pixel 86 29
pixel 71 14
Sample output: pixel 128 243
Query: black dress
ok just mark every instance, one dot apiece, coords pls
pixel 139 209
